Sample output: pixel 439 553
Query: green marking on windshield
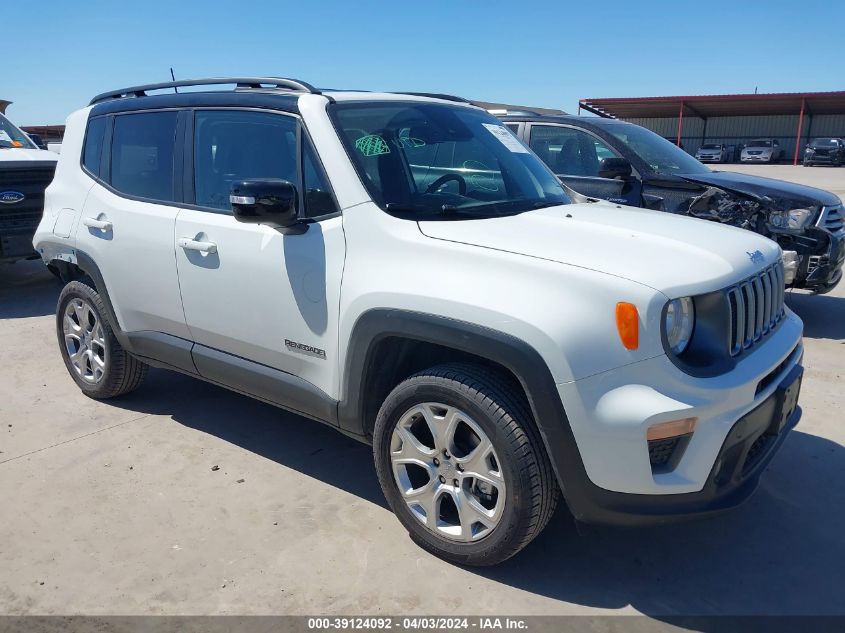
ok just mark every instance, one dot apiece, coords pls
pixel 407 141
pixel 372 145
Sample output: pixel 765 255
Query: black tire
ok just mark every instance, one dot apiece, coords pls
pixel 499 407
pixel 122 372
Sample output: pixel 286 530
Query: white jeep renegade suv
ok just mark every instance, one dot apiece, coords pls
pixel 401 267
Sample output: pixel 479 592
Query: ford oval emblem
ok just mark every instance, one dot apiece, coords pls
pixel 11 197
pixel 756 257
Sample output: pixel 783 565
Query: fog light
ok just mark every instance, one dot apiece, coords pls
pixel 672 428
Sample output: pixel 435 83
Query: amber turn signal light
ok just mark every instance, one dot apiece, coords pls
pixel 628 324
pixel 672 428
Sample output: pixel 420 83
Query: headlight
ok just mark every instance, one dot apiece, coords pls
pixel 792 220
pixel 809 150
pixel 678 324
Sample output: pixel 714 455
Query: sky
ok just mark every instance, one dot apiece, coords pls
pixel 57 54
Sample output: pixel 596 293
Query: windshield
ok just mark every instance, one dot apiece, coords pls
pixel 662 156
pixel 759 143
pixel 824 142
pixel 430 159
pixel 10 136
pixel 711 146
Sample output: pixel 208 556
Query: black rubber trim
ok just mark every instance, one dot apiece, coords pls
pixel 265 383
pixel 163 350
pixel 506 350
pixel 90 268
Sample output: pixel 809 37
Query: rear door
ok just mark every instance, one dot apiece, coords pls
pixel 129 216
pixel 575 156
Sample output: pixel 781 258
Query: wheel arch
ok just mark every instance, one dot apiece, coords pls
pixel 380 329
pixel 77 265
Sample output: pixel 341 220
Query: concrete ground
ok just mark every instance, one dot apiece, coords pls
pixel 113 507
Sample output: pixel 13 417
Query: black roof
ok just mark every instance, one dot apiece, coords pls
pixel 273 100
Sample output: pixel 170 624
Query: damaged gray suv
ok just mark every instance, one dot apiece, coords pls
pixel 628 164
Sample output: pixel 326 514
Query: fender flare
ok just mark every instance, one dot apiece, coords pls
pixel 514 354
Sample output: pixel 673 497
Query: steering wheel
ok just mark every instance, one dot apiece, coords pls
pixel 462 184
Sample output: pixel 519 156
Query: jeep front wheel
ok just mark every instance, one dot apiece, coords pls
pixel 462 464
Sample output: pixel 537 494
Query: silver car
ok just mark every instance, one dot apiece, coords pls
pixel 762 150
pixel 712 153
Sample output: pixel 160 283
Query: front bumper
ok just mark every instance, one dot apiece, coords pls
pixel 748 448
pixel 610 413
pixel 822 159
pixel 756 158
pixel 821 273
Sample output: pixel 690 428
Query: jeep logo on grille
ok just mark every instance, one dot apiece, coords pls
pixel 11 197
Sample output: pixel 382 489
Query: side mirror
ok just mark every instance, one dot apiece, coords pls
pixel 615 168
pixel 269 201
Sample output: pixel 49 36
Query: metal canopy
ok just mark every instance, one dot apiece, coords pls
pixel 705 106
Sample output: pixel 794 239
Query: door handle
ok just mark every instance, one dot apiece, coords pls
pixel 193 245
pixel 94 223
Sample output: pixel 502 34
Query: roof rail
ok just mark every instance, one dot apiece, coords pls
pixel 435 95
pixel 240 82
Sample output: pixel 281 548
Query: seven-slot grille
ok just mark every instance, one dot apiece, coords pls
pixel 756 307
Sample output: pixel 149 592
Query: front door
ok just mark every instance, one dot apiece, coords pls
pixel 575 157
pixel 250 292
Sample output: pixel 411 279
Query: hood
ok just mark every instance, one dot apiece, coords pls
pixel 14 154
pixel 785 195
pixel 674 254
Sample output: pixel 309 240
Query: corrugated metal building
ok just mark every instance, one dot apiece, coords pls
pixel 791 118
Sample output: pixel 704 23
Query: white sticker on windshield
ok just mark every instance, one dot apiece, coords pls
pixel 506 137
pixel 4 136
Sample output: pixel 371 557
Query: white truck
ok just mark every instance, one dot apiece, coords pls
pixel 403 268
pixel 25 172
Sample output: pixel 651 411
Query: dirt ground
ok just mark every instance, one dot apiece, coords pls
pixel 114 507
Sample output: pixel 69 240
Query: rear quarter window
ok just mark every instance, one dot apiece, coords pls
pixel 93 152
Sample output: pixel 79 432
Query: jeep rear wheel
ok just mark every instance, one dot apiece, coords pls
pixel 91 352
pixel 462 465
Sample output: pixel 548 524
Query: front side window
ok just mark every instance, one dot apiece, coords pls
pixel 569 152
pixel 437 160
pixel 142 154
pixel 236 145
pixel 662 156
pixel 11 136
pixel 318 195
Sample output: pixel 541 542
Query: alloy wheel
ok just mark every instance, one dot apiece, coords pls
pixel 448 472
pixel 84 340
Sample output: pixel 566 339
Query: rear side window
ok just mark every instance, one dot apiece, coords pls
pixel 142 155
pixel 94 145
